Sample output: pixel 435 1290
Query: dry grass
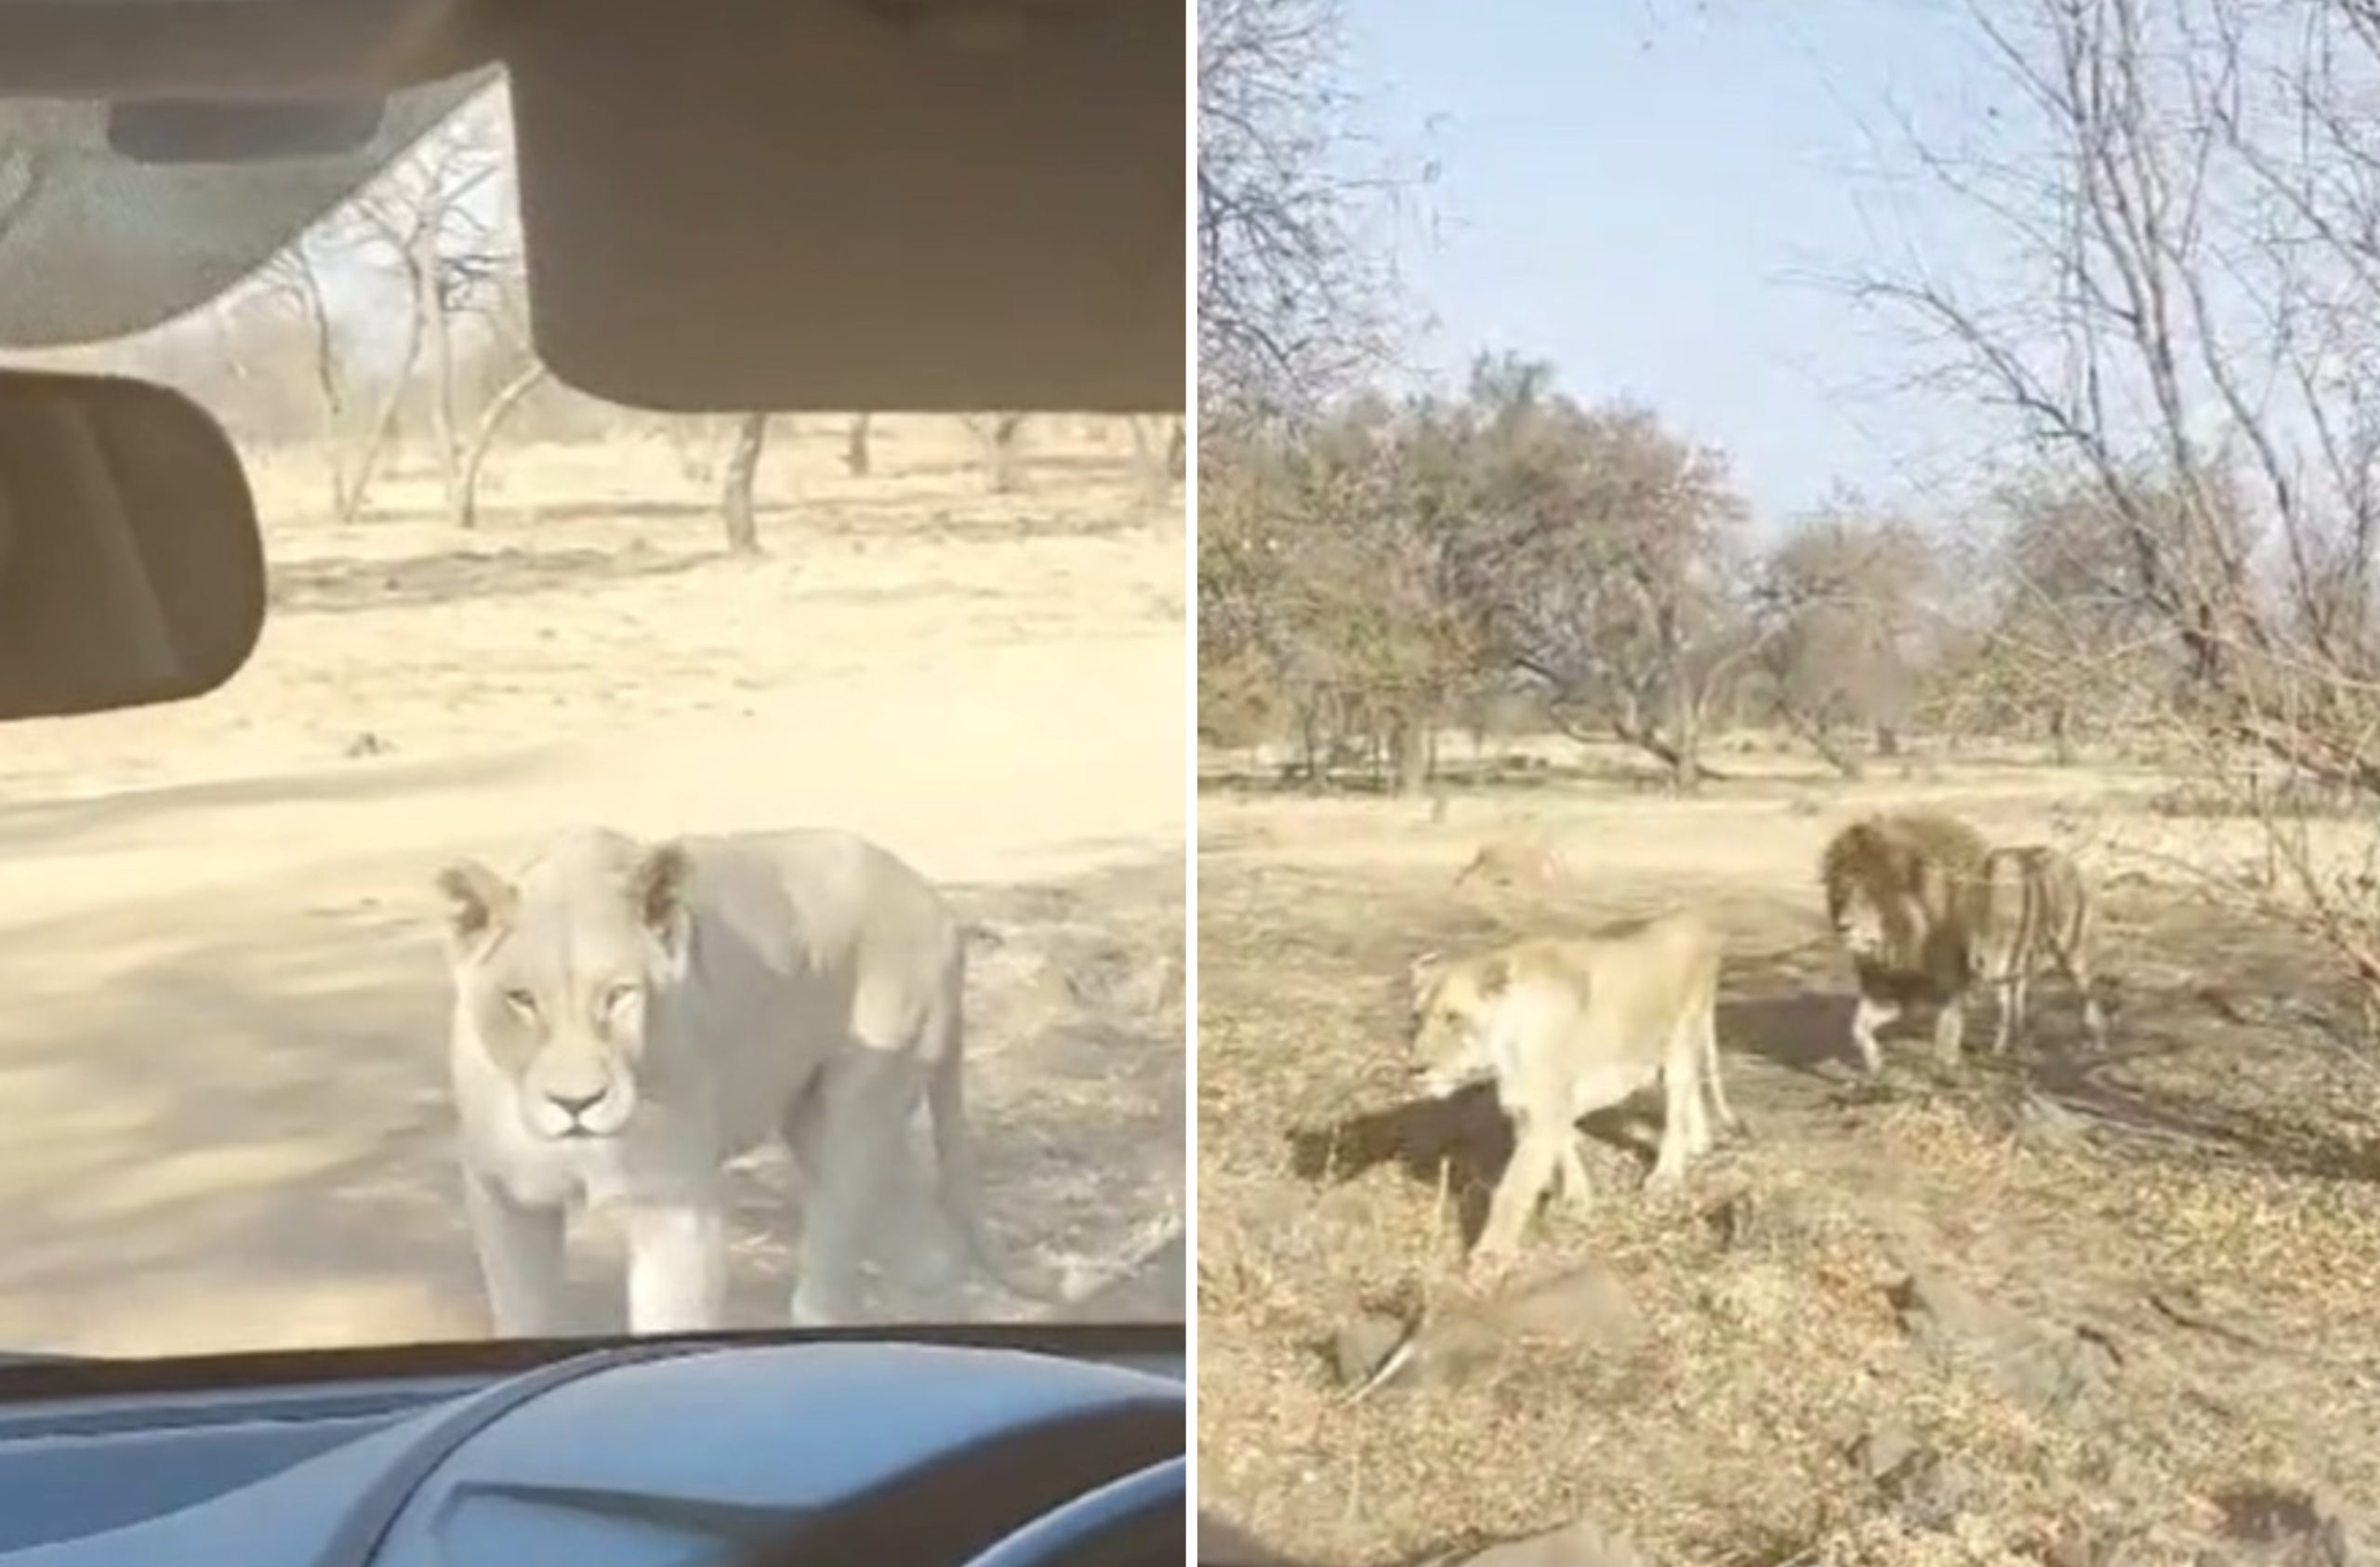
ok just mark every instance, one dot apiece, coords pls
pixel 2229 1164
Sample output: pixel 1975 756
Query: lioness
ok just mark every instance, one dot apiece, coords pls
pixel 627 1017
pixel 1524 861
pixel 1568 1026
pixel 1903 891
pixel 2035 905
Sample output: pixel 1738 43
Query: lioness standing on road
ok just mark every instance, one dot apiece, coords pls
pixel 2035 906
pixel 1903 892
pixel 627 1017
pixel 1567 1026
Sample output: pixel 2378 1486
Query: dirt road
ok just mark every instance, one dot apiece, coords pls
pixel 220 1061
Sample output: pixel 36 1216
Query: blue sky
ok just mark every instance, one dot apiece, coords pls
pixel 1638 191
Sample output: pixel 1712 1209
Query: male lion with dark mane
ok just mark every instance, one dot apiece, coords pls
pixel 1903 893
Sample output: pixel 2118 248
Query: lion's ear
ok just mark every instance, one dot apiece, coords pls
pixel 1424 971
pixel 657 889
pixel 478 901
pixel 1493 977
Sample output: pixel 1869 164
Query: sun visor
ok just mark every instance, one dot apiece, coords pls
pixel 931 206
pixel 131 570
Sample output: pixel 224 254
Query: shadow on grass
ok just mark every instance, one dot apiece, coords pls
pixel 48 826
pixel 1460 1144
pixel 336 585
pixel 1517 776
pixel 2171 1082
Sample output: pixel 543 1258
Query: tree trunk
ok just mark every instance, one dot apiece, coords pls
pixel 384 424
pixel 694 441
pixel 2061 735
pixel 440 328
pixel 1818 735
pixel 1683 743
pixel 327 381
pixel 1685 765
pixel 855 450
pixel 1159 464
pixel 1887 741
pixel 1410 739
pixel 1846 762
pixel 1682 758
pixel 500 408
pixel 743 470
pixel 1005 463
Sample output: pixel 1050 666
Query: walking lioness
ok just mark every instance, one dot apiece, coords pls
pixel 2035 908
pixel 627 1017
pixel 1568 1026
pixel 1528 860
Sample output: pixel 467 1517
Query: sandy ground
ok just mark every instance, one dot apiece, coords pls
pixel 221 1059
pixel 2191 1214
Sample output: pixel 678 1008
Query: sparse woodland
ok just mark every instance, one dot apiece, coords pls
pixel 394 335
pixel 2167 555
pixel 2138 617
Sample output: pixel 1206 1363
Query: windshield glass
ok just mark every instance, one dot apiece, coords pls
pixel 234 1062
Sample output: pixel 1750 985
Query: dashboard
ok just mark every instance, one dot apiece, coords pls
pixel 978 1447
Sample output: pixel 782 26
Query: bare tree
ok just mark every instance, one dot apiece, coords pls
pixel 429 221
pixel 695 441
pixel 1157 454
pixel 293 280
pixel 742 473
pixel 1001 436
pixel 856 453
pixel 2190 205
pixel 1292 312
pixel 1290 305
pixel 508 344
pixel 500 407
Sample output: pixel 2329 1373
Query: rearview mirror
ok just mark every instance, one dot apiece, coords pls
pixel 131 570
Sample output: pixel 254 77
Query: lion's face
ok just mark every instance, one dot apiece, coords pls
pixel 571 1040
pixel 1860 924
pixel 557 976
pixel 1451 1005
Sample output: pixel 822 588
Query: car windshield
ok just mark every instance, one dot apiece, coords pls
pixel 500 609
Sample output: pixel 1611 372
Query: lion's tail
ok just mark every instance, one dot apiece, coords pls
pixel 959 1178
pixel 959 1183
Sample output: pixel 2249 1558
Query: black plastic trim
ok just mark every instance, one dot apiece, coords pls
pixel 22 1381
pixel 367 1523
